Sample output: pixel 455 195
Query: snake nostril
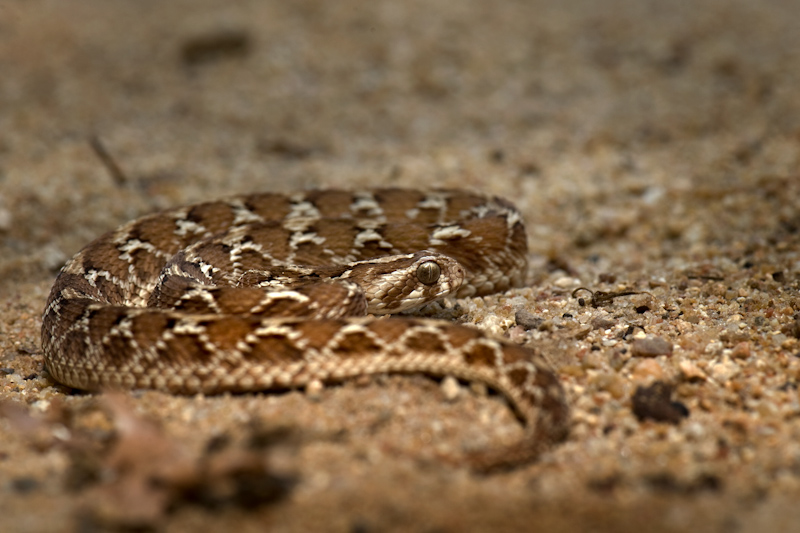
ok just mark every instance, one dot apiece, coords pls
pixel 429 272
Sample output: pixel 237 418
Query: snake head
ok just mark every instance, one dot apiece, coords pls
pixel 397 283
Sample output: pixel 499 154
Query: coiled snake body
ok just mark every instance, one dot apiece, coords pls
pixel 269 291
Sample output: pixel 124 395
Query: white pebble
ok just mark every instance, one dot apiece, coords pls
pixel 566 281
pixel 450 388
pixel 314 389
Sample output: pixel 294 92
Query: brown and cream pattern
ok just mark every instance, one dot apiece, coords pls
pixel 271 291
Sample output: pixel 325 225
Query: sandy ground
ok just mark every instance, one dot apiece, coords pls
pixel 652 147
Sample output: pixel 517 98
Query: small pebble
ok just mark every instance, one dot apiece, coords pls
pixel 517 335
pixel 690 371
pixel 714 347
pixel 654 403
pixel 565 281
pixel 724 370
pixel 450 388
pixel 593 360
pixel 648 369
pixel 314 389
pixel 609 382
pixel 602 322
pixel 582 332
pixel 527 319
pixel 741 351
pixel 651 347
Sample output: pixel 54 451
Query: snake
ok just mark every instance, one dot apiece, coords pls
pixel 272 291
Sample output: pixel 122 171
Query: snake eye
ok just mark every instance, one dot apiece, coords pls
pixel 429 272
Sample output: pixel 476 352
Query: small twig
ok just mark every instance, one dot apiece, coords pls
pixel 111 165
pixel 705 277
pixel 602 297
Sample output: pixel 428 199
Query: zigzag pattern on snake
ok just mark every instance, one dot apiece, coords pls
pixel 270 291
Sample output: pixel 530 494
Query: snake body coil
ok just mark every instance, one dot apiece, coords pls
pixel 270 291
